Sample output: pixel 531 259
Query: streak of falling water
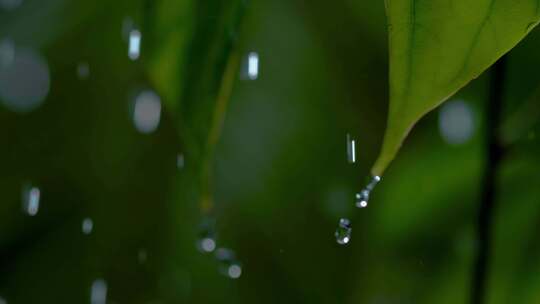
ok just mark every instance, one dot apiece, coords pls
pixel 351 149
pixel 134 50
pixel 31 198
pixel 229 266
pixel 343 231
pixel 87 226
pixel 250 67
pixel 362 198
pixel 98 292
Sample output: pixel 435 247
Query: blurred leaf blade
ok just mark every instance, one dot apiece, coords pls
pixel 436 48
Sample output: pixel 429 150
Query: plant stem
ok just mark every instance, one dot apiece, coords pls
pixel 487 205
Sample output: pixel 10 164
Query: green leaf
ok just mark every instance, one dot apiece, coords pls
pixel 437 47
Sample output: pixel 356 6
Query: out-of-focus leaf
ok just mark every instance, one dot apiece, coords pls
pixel 436 47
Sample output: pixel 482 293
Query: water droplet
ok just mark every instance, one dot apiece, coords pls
pixel 206 242
pixel 10 5
pixel 456 122
pixel 142 256
pixel 7 52
pixel 87 226
pixel 343 232
pixel 229 266
pixel 83 70
pixel 180 161
pixel 147 112
pixel 98 292
pixel 25 82
pixel 31 197
pixel 362 198
pixel 351 149
pixel 134 49
pixel 250 68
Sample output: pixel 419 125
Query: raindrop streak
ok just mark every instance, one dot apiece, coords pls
pixel 229 266
pixel 98 293
pixel 25 81
pixel 362 198
pixel 87 226
pixel 83 70
pixel 147 112
pixel 456 122
pixel 31 198
pixel 134 44
pixel 351 149
pixel 250 69
pixel 343 232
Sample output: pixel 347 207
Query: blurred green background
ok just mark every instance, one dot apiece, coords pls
pixel 278 176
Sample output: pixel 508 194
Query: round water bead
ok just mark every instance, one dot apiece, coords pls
pixel 228 265
pixel 206 241
pixel 343 232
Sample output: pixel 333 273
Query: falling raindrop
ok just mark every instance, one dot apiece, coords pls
pixel 456 122
pixel 362 198
pixel 147 111
pixel 180 161
pixel 229 266
pixel 31 197
pixel 98 292
pixel 351 149
pixel 250 67
pixel 134 49
pixel 343 231
pixel 142 256
pixel 10 5
pixel 87 226
pixel 206 242
pixel 7 52
pixel 25 81
pixel 83 70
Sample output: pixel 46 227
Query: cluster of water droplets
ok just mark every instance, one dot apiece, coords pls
pixel 207 244
pixel 344 229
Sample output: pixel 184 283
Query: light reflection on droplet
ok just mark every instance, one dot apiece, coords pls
pixel 456 122
pixel 10 5
pixel 362 198
pixel 250 66
pixel 343 232
pixel 134 44
pixel 98 292
pixel 87 226
pixel 229 266
pixel 147 112
pixel 7 52
pixel 351 149
pixel 24 84
pixel 83 70
pixel 31 199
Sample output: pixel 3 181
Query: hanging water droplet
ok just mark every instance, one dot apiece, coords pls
pixel 142 256
pixel 351 149
pixel 31 197
pixel 206 242
pixel 147 111
pixel 134 49
pixel 87 226
pixel 98 292
pixel 362 198
pixel 83 70
pixel 250 67
pixel 343 231
pixel 25 81
pixel 229 266
pixel 180 161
